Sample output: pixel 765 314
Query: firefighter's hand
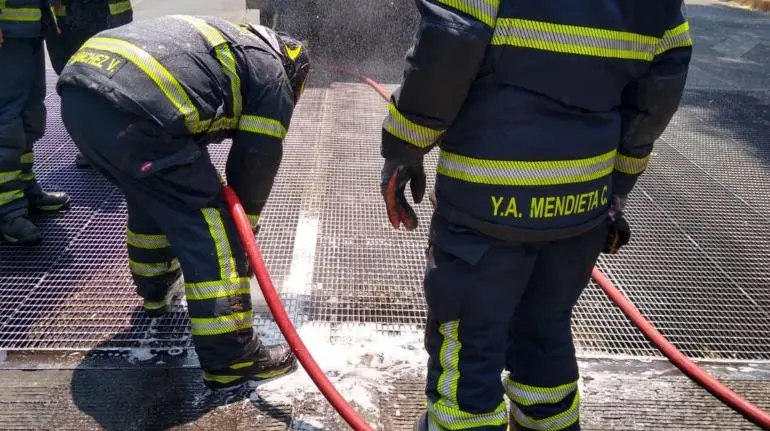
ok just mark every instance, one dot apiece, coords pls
pixel 620 231
pixel 394 177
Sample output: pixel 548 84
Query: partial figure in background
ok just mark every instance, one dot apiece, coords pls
pixel 160 91
pixel 79 20
pixel 546 113
pixel 23 25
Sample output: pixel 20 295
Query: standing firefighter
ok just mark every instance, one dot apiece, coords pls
pixel 142 102
pixel 79 20
pixel 23 25
pixel 546 113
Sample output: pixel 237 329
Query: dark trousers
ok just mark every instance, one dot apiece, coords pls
pixel 22 122
pixel 62 46
pixel 177 220
pixel 497 306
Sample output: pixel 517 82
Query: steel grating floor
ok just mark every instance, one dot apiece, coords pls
pixel 698 266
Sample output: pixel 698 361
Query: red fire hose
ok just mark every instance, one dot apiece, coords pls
pixel 688 367
pixel 282 319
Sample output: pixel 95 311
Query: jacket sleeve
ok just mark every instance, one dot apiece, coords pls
pixel 449 48
pixel 649 103
pixel 257 149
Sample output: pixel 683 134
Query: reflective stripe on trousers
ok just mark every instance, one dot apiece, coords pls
pixel 526 396
pixel 217 294
pixel 445 412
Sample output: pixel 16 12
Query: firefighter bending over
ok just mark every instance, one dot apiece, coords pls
pixel 23 25
pixel 545 113
pixel 80 20
pixel 142 102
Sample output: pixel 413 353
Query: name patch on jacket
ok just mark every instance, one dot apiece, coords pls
pixel 549 206
pixel 106 63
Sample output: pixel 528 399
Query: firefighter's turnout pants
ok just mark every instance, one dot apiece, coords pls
pixel 22 120
pixel 495 306
pixel 177 221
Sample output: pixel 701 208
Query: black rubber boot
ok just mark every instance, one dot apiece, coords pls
pixel 20 230
pixel 81 162
pixel 159 308
pixel 267 363
pixel 422 422
pixel 41 201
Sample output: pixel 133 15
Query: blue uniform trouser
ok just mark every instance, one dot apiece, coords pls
pixel 62 46
pixel 22 121
pixel 177 221
pixel 495 306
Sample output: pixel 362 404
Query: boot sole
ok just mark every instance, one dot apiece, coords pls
pixel 50 208
pixel 35 239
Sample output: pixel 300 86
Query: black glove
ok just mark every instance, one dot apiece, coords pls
pixel 393 181
pixel 620 231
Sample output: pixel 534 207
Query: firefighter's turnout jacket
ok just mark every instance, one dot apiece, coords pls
pixel 26 18
pixel 92 15
pixel 542 110
pixel 202 77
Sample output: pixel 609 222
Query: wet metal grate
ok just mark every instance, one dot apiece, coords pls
pixel 697 267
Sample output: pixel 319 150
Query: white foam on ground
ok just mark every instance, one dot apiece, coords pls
pixel 359 361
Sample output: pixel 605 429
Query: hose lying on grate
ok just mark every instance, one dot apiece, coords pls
pixel 282 318
pixel 688 367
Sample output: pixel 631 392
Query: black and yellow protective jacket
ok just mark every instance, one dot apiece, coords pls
pixel 27 18
pixel 543 110
pixel 93 15
pixel 199 79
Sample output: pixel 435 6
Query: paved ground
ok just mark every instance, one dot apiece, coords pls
pixel 698 267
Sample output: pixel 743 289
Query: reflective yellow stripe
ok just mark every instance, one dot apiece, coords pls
pixel 631 165
pixel 253 220
pixel 146 241
pixel 221 324
pixel 526 395
pixel 7 177
pixel 226 59
pixel 22 14
pixel 120 7
pixel 152 269
pixel 227 267
pixel 217 289
pixel 27 158
pixel 483 10
pixel 11 196
pixel 27 176
pixel 446 412
pixel 556 422
pixel 571 39
pixel 262 125
pixel 455 419
pixel 159 75
pixel 520 173
pixel 413 133
pixel 677 37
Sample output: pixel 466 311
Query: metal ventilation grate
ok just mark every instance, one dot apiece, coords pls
pixel 697 266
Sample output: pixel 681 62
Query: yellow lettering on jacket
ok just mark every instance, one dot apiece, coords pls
pixel 567 205
pixel 104 62
pixel 511 208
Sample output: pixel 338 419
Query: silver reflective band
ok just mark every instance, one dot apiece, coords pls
pixel 556 422
pixel 413 133
pixel 529 395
